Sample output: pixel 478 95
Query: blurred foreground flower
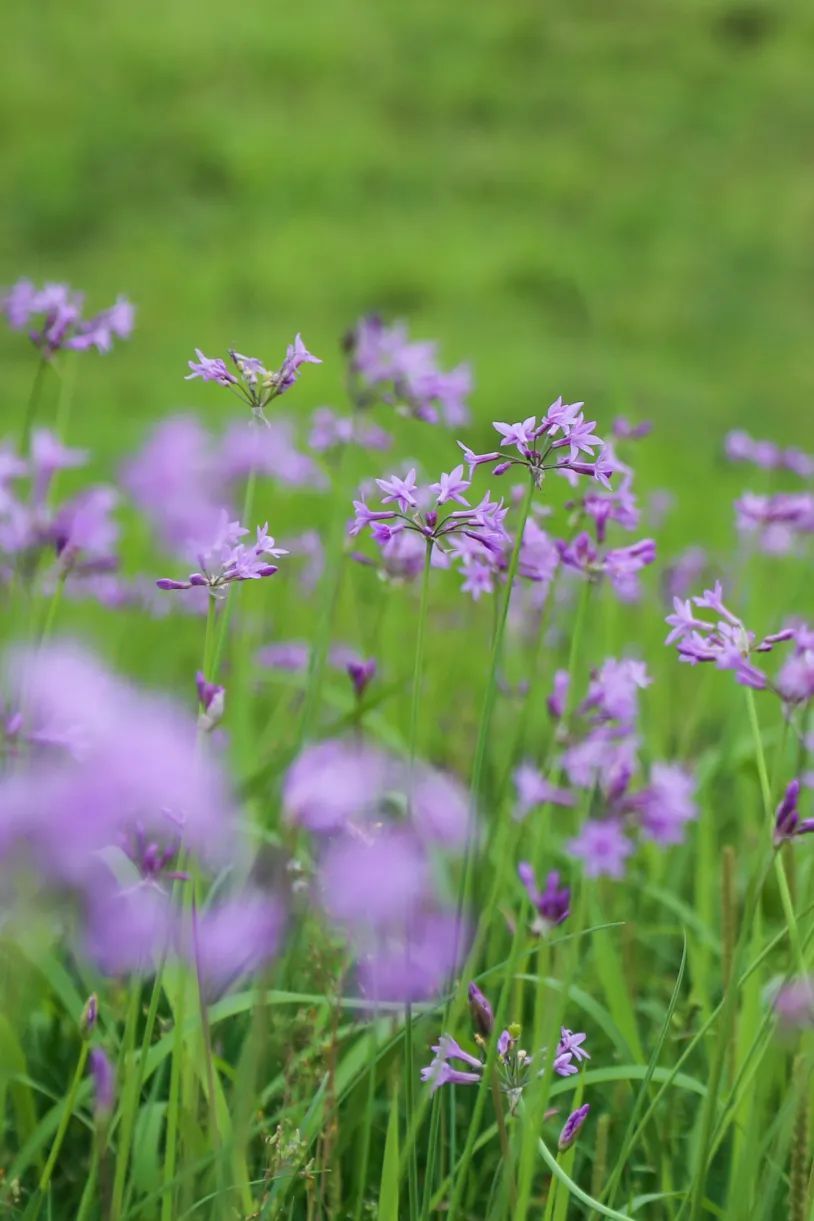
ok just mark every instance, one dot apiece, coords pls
pixel 60 323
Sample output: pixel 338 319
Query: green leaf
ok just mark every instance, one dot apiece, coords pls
pixel 389 1189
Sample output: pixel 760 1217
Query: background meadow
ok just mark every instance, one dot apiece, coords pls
pixel 614 206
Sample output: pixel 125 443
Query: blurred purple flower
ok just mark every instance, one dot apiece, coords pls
pixel 603 848
pixel 233 938
pixel 330 431
pixel 386 367
pixel 534 790
pixel 373 883
pixel 59 310
pixel 666 804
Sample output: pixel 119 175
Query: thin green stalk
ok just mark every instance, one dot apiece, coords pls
pixel 31 406
pixel 127 1074
pixel 209 1060
pixel 364 1158
pixel 53 606
pixel 65 1118
pixel 329 600
pixel 248 508
pixel 415 710
pixel 418 661
pixel 779 867
pixel 573 1188
pixel 484 729
pixel 173 1105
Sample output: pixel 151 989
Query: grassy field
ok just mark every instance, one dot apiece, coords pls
pixel 612 203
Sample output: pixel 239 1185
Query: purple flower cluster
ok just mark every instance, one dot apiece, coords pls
pixel 60 325
pixel 601 757
pixel 80 532
pixel 726 642
pixel 183 476
pixel 563 441
pixel 553 905
pixel 516 1067
pixel 387 367
pixel 380 827
pixel 256 385
pixel 108 796
pixel 473 537
pixel 740 447
pixel 226 559
pixel 330 431
pixel 776 522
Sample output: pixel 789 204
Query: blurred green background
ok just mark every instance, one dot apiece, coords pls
pixel 612 202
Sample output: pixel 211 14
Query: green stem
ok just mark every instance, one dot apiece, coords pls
pixel 65 1119
pixel 248 509
pixel 130 1101
pixel 568 1183
pixel 418 662
pixel 335 568
pixel 31 406
pixel 485 725
pixel 779 867
pixel 173 1104
pixel 54 603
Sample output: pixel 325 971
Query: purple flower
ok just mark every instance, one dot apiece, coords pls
pixel 269 449
pixel 481 1010
pixel 49 455
pixel 400 491
pixel 625 431
pixel 572 1044
pixel 439 1072
pixel 83 531
pixel 335 784
pixel 386 367
pixel 552 904
pixel 174 479
pixel 233 939
pixel 534 790
pixel 211 697
pixel 794 1004
pixel 603 848
pixel 680 576
pixel 451 487
pixel 613 692
pixel 361 674
pixel 538 446
pixel 296 355
pixel 255 384
pixel 788 823
pixel 331 431
pixel 776 521
pixel 414 963
pixel 467 536
pixel 373 883
pixel 131 774
pixel 227 559
pixel 740 447
pixel 728 642
pixel 61 325
pixel 104 1083
pixel 667 804
pixel 795 681
pixel 572 1126
pixel 557 700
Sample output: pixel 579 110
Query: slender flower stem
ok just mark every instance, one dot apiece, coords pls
pixel 335 569
pixel 31 405
pixel 779 867
pixel 52 607
pixel 127 1073
pixel 217 656
pixel 65 1119
pixel 485 725
pixel 418 663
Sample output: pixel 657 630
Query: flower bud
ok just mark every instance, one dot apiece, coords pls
pixel 90 1015
pixel 572 1126
pixel 481 1011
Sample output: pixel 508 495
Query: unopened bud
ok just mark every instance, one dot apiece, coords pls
pixel 481 1010
pixel 572 1126
pixel 90 1016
